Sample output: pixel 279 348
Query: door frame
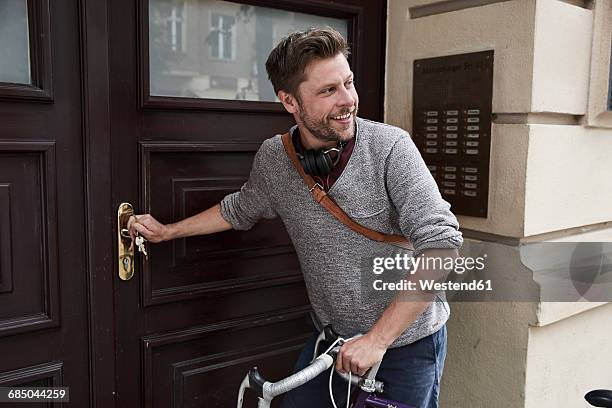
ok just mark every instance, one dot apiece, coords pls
pixel 97 166
pixel 97 169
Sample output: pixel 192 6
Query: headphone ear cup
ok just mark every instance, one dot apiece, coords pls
pixel 304 161
pixel 316 163
pixel 323 164
pixel 316 158
pixel 310 163
pixel 326 164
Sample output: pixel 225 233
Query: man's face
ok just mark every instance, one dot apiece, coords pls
pixel 327 100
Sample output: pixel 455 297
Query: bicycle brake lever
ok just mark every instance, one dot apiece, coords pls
pixel 256 381
pixel 378 386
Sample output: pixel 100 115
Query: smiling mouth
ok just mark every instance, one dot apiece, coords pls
pixel 342 117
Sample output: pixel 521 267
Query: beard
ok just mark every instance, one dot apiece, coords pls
pixel 324 131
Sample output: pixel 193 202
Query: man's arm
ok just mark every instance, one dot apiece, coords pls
pixel 206 222
pixel 362 353
pixel 425 218
pixel 239 210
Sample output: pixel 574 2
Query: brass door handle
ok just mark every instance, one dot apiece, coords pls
pixel 125 248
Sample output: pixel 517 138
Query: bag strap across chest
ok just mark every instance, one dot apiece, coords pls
pixel 321 197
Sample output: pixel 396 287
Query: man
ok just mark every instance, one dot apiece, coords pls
pixel 381 181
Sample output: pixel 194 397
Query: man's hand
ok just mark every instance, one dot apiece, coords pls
pixel 359 354
pixel 148 227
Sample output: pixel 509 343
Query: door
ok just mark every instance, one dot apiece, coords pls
pixel 190 105
pixel 43 262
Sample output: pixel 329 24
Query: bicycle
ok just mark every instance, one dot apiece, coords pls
pixel 366 386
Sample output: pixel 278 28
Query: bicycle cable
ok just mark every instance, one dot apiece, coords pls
pixel 348 389
pixel 331 376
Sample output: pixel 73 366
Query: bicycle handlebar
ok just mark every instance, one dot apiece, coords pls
pixel 318 366
pixel 367 383
pixel 266 390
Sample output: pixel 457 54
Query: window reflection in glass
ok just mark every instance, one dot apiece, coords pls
pixel 173 20
pixel 218 49
pixel 14 42
pixel 221 36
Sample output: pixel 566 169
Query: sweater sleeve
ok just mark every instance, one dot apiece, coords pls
pixel 244 208
pixel 424 216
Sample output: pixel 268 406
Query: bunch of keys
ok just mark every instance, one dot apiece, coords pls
pixel 140 243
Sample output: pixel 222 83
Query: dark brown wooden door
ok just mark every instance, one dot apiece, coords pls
pixel 201 311
pixel 43 262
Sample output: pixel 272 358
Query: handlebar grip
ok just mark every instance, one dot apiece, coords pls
pixel 320 364
pixel 599 398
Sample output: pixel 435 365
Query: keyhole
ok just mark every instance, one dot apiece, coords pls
pixel 126 264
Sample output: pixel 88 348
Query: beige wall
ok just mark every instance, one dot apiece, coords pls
pixel 569 178
pixel 550 173
pixel 561 58
pixel 486 357
pixel 487 342
pixel 545 173
pixel 597 114
pixel 526 354
pixel 568 358
pixel 505 27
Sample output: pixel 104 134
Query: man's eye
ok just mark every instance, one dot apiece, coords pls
pixel 327 90
pixel 349 83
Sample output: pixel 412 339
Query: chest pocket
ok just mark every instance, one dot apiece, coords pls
pixel 368 211
pixel 374 214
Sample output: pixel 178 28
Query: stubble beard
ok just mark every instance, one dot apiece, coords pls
pixel 322 129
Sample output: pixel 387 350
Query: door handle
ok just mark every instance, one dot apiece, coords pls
pixel 125 248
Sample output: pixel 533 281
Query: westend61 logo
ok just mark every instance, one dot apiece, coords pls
pixel 423 265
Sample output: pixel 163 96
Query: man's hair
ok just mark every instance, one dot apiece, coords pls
pixel 288 60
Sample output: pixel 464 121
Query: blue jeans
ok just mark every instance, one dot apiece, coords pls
pixel 411 375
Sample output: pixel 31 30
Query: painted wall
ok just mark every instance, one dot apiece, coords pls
pixel 568 358
pixel 549 173
pixel 540 90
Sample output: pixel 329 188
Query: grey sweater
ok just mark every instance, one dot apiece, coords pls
pixel 385 186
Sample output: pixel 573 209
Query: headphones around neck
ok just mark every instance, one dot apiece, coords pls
pixel 319 162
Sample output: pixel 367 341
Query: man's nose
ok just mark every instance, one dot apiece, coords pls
pixel 347 97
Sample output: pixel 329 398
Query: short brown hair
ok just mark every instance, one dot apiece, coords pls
pixel 288 60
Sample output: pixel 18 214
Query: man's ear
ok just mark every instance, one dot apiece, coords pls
pixel 288 101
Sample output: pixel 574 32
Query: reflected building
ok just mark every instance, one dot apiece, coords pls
pixel 217 49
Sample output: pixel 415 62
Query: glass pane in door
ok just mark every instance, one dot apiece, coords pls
pixel 14 42
pixel 218 49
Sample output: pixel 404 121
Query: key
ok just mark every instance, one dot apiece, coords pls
pixel 140 243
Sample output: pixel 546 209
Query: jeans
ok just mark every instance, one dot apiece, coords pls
pixel 411 375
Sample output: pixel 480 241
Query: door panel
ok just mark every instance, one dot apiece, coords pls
pixel 29 301
pixel 206 363
pixel 201 311
pixel 191 177
pixel 43 303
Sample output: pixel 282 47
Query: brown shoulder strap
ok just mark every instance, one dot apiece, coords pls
pixel 330 205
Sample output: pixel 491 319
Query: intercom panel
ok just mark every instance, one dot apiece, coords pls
pixel 452 103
